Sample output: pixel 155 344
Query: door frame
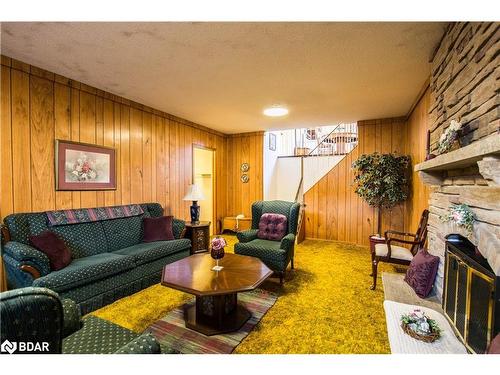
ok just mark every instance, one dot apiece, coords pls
pixel 214 180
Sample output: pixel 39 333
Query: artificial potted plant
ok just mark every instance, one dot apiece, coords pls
pixel 382 180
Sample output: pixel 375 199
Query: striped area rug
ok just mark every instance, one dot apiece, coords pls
pixel 171 332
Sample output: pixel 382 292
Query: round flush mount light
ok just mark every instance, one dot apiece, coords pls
pixel 275 111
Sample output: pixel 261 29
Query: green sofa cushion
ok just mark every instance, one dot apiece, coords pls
pixel 85 270
pixel 267 251
pixel 83 240
pixel 124 232
pixel 97 336
pixel 147 252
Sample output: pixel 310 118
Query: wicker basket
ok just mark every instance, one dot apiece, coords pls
pixel 431 337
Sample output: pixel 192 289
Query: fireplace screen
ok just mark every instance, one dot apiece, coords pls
pixel 470 298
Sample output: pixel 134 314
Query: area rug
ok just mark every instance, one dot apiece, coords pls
pixel 324 306
pixel 171 332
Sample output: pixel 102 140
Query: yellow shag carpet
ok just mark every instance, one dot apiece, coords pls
pixel 325 305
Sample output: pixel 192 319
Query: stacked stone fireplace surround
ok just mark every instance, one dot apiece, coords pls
pixel 464 86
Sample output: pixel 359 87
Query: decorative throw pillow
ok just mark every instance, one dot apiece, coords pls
pixel 272 227
pixel 422 272
pixel 158 229
pixel 494 345
pixel 54 247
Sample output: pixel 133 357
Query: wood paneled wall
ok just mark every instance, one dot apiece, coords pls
pixel 333 210
pixel 417 126
pixel 154 149
pixel 244 148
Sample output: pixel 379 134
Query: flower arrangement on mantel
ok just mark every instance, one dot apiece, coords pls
pixel 449 138
pixel 461 215
pixel 419 326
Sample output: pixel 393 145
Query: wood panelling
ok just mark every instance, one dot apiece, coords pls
pixel 333 210
pixel 154 161
pixel 417 126
pixel 244 148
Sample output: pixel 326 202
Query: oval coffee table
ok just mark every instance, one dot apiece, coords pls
pixel 217 309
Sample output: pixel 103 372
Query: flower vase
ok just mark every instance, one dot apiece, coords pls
pixel 217 253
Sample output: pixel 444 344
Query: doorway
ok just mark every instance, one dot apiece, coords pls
pixel 204 177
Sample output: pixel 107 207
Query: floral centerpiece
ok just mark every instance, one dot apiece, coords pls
pixel 419 326
pixel 217 252
pixel 461 215
pixel 449 136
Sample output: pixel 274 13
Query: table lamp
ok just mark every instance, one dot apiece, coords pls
pixel 194 194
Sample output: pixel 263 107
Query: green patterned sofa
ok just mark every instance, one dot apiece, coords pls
pixel 38 315
pixel 109 259
pixel 275 254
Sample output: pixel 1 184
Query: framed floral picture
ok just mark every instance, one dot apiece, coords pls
pixel 81 166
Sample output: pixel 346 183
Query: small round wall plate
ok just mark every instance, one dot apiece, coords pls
pixel 244 178
pixel 245 167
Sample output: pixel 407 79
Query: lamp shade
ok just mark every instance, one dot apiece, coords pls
pixel 194 193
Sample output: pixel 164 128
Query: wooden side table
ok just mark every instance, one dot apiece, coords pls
pixel 229 223
pixel 199 234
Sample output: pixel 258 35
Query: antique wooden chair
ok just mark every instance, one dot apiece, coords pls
pixel 390 253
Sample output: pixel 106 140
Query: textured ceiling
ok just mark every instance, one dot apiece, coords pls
pixel 222 75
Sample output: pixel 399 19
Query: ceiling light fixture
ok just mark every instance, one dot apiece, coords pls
pixel 275 111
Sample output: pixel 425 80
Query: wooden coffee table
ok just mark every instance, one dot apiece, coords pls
pixel 217 309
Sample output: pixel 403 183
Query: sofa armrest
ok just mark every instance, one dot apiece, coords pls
pixel 178 227
pixel 287 242
pixel 247 235
pixel 72 317
pixel 29 255
pixel 144 344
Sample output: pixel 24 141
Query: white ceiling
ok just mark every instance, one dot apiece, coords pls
pixel 222 75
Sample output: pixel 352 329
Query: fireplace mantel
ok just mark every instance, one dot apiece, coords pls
pixel 484 152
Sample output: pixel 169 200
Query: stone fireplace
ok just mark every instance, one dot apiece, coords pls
pixel 464 87
pixel 469 175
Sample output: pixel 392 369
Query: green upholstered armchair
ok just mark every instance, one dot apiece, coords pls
pixel 38 315
pixel 275 254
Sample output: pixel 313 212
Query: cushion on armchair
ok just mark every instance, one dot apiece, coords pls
pixel 272 227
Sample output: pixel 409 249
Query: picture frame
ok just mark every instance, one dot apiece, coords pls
pixel 272 141
pixel 83 166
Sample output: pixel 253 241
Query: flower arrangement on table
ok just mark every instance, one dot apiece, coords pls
pixel 461 215
pixel 217 252
pixel 449 136
pixel 419 326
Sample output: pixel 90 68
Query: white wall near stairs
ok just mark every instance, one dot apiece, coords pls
pixel 284 174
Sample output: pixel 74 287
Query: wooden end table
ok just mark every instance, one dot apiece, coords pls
pixel 217 309
pixel 199 234
pixel 229 223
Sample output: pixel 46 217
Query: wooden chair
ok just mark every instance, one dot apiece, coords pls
pixel 389 253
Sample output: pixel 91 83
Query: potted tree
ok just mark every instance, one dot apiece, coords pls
pixel 382 180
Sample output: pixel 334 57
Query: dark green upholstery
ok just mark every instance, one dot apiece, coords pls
pixel 30 315
pixel 109 262
pixel 38 315
pixel 147 252
pixel 275 254
pixel 99 336
pixel 83 271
